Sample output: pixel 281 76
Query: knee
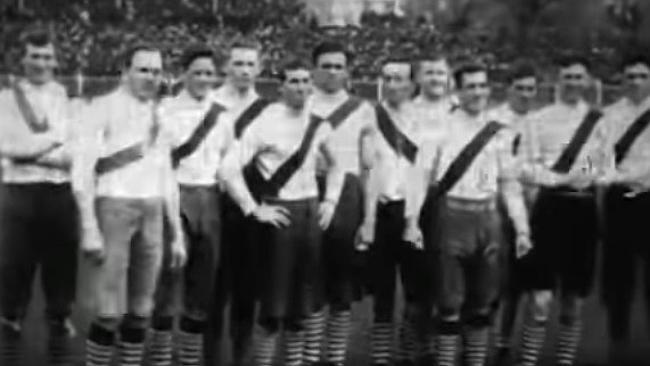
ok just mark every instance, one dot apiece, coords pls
pixel 479 320
pixel 192 325
pixel 271 325
pixel 294 324
pixel 570 309
pixel 540 305
pixel 449 314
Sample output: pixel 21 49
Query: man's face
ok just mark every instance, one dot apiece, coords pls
pixel 397 85
pixel 145 74
pixel 637 80
pixel 243 67
pixel 331 72
pixel 574 81
pixel 433 78
pixel 39 63
pixel 200 77
pixel 474 92
pixel 522 93
pixel 297 87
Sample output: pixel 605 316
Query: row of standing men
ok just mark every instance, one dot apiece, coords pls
pixel 306 204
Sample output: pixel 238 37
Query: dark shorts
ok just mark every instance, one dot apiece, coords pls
pixel 39 230
pixel 468 250
pixel 511 272
pixel 290 272
pixel 625 245
pixel 201 219
pixel 565 236
pixel 343 265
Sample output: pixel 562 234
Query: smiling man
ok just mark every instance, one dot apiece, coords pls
pixel 39 215
pixel 283 144
pixel 125 188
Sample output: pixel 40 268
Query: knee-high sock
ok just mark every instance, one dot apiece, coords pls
pixel 265 345
pixel 190 339
pixel 407 339
pixel 382 342
pixel 10 340
pixel 338 332
pixel 447 343
pixel 131 343
pixel 60 342
pixel 569 336
pixel 294 347
pixel 476 345
pixel 161 343
pixel 100 345
pixel 314 327
pixel 532 342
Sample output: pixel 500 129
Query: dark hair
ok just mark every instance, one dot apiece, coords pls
pixel 429 57
pixel 246 44
pixel 293 65
pixel 521 70
pixel 401 60
pixel 329 47
pixel 36 37
pixel 127 57
pixel 196 52
pixel 635 59
pixel 570 59
pixel 469 68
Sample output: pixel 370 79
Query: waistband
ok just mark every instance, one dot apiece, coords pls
pixel 620 191
pixel 570 192
pixel 37 186
pixel 201 187
pixel 473 205
pixel 279 201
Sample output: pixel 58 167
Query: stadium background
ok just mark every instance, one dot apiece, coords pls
pixel 92 33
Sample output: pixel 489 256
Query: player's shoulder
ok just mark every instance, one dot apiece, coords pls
pixel 620 105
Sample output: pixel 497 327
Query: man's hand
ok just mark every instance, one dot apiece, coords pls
pixel 178 255
pixel 277 216
pixel 325 214
pixel 581 180
pixel 365 236
pixel 523 245
pixel 92 246
pixel 413 235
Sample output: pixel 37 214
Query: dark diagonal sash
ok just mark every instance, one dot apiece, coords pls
pixel 396 139
pixel 466 157
pixel 344 111
pixel 131 153
pixel 626 141
pixel 580 137
pixel 249 115
pixel 198 135
pixel 27 112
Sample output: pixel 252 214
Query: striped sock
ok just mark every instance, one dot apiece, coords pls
pixel 265 345
pixel 10 339
pixel 447 343
pixel 382 343
pixel 99 346
pixel 161 344
pixel 568 340
pixel 338 331
pixel 314 327
pixel 294 346
pixel 191 342
pixel 131 345
pixel 406 340
pixel 532 342
pixel 476 345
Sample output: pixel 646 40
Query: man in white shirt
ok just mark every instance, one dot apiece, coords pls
pixel 567 156
pixel 126 191
pixel 237 275
pixel 200 134
pixel 353 123
pixel 472 165
pixel 283 144
pixel 39 215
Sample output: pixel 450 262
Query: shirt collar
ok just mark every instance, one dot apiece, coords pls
pixel 185 97
pixel 339 96
pixel 25 85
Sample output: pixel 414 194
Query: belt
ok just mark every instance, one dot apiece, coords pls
pixel 572 192
pixel 467 204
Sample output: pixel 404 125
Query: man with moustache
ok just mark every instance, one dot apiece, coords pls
pixel 566 158
pixel 126 189
pixel 353 124
pixel 387 226
pixel 200 134
pixel 38 215
pixel 283 143
pixel 236 278
pixel 628 146
pixel 517 113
